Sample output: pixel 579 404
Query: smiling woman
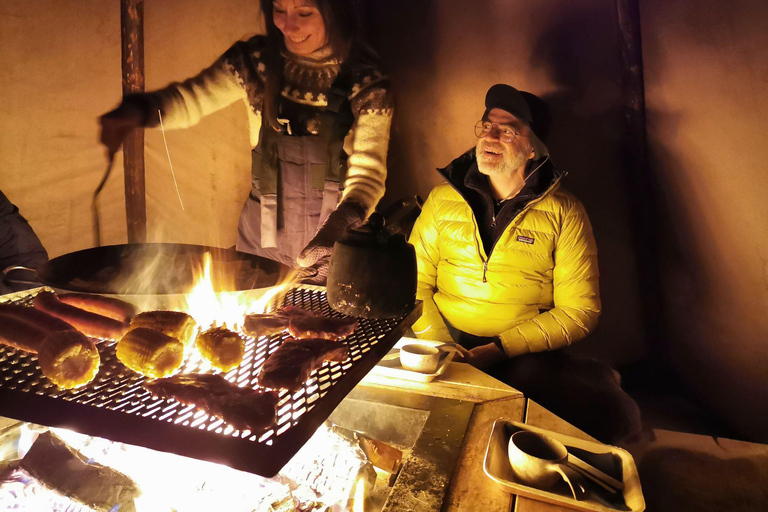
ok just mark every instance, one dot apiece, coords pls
pixel 302 25
pixel 319 114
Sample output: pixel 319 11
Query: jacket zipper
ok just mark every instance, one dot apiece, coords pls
pixel 493 220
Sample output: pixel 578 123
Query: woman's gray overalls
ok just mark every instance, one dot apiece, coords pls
pixel 296 182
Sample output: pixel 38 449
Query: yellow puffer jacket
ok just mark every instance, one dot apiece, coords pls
pixel 537 291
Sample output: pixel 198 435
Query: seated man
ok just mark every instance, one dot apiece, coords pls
pixel 507 267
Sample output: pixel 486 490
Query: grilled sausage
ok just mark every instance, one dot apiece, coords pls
pixel 90 324
pixel 105 306
pixel 20 334
pixel 36 317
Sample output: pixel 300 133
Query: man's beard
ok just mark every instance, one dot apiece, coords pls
pixel 510 161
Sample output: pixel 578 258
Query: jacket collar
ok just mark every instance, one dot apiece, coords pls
pixel 463 174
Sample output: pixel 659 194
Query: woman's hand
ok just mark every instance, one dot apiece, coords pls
pixel 320 247
pixel 115 126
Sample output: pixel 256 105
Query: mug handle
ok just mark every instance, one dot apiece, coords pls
pixel 574 480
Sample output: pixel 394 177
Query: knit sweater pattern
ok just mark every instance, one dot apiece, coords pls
pixel 241 73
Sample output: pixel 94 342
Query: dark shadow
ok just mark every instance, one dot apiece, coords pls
pixel 580 53
pixel 401 33
pixel 647 270
pixel 676 479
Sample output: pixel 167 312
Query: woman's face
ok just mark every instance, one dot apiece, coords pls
pixel 301 24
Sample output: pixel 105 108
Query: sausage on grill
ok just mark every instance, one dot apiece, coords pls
pixel 105 306
pixel 36 317
pixel 20 334
pixel 88 323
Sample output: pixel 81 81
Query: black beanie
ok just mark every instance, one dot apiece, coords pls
pixel 509 99
pixel 523 105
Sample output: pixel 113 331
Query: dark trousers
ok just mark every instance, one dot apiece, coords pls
pixel 583 391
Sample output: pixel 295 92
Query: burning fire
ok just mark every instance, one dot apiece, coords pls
pixel 210 308
pixel 359 503
pixel 324 475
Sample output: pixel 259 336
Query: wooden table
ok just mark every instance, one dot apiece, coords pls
pixel 470 489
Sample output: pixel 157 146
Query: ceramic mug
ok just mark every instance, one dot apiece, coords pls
pixel 420 357
pixel 540 461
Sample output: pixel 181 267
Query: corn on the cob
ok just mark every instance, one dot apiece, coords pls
pixel 221 347
pixel 150 352
pixel 175 324
pixel 68 358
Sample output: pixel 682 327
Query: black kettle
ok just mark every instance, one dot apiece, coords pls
pixel 372 272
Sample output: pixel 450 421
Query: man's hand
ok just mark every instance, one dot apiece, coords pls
pixel 115 126
pixel 346 215
pixel 485 356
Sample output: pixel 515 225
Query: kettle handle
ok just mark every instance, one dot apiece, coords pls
pixel 400 215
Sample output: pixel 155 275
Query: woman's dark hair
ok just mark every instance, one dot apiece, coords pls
pixel 343 28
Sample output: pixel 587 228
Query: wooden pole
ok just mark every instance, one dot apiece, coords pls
pixel 633 84
pixel 642 188
pixel 132 38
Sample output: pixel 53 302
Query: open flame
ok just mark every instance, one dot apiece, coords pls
pixel 209 307
pixel 359 503
pixel 324 475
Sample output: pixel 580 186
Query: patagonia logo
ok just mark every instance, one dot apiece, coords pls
pixel 525 239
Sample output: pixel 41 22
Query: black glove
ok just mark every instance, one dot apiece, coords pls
pixel 134 112
pixel 346 215
pixel 316 274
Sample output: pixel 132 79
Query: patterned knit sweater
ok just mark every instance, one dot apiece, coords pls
pixel 240 74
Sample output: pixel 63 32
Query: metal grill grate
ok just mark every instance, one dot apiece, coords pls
pixel 117 406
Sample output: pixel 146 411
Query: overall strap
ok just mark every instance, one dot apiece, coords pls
pixel 265 168
pixel 335 122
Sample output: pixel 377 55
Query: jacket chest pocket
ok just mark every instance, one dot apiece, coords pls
pixel 529 250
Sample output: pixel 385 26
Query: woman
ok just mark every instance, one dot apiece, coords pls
pixel 319 114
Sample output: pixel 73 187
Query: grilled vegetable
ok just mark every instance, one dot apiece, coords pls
pixel 150 352
pixel 221 347
pixel 69 359
pixel 172 323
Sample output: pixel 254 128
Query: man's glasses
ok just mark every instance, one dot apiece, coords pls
pixel 505 132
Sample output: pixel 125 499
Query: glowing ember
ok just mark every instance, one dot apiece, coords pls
pixel 210 308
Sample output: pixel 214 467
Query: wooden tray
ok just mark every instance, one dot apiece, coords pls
pixel 611 460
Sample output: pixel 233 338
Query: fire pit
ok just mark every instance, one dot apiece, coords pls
pixel 325 473
pixel 116 406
